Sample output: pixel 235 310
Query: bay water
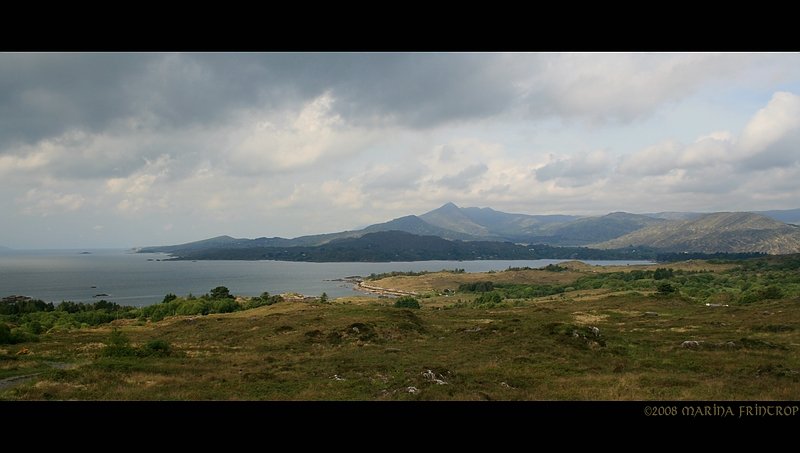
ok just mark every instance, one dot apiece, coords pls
pixel 139 279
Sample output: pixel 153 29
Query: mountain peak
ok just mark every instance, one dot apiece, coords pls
pixel 448 206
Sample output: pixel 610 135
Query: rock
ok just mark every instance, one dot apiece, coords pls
pixel 730 344
pixel 24 351
pixel 595 331
pixel 337 378
pixel 651 314
pixel 412 390
pixel 691 344
pixel 431 376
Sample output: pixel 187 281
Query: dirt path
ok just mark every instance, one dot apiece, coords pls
pixel 16 380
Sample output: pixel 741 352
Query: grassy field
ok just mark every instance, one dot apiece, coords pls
pixel 590 344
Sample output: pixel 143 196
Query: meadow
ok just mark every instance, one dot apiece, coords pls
pixel 695 330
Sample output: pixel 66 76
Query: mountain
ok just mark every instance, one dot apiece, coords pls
pixel 415 225
pixel 590 230
pixel 717 232
pixel 215 242
pixel 675 215
pixel 385 246
pixel 513 225
pixel 451 217
pixel 670 231
pixel 785 216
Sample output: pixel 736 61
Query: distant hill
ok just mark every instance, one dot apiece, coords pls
pixel 514 225
pixel 785 216
pixel 619 229
pixel 415 225
pixel 386 246
pixel 590 230
pixel 717 232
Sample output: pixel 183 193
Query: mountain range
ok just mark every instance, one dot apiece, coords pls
pixel 770 232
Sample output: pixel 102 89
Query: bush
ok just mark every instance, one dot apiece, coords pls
pixel 476 287
pixel 169 298
pixel 264 299
pixel 156 348
pixel 34 327
pixel 665 289
pixel 663 273
pixel 224 306
pixel 118 345
pixel 5 334
pixel 490 298
pixel 406 302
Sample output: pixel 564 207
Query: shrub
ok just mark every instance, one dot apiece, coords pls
pixel 156 348
pixel 169 298
pixel 663 273
pixel 476 287
pixel 490 298
pixel 224 306
pixel 406 302
pixel 323 298
pixel 665 289
pixel 118 345
pixel 5 334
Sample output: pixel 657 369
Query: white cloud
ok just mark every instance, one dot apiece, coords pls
pixel 623 87
pixel 772 137
pixel 187 146
pixel 47 202
pixel 315 134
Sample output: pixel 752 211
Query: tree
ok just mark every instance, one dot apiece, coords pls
pixel 221 292
pixel 169 297
pixel 323 298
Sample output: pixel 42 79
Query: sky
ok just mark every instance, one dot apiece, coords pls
pixel 134 149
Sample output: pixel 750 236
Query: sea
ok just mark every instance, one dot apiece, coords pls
pixel 139 279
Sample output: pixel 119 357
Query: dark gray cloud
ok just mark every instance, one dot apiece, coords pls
pixel 43 95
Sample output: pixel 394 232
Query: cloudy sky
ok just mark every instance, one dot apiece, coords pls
pixel 121 150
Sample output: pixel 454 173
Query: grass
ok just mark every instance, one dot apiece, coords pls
pixel 581 345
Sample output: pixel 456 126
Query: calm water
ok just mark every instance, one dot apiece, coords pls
pixel 131 279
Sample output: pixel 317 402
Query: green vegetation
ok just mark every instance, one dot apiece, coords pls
pixel 476 287
pixel 406 302
pixel 25 318
pixel 754 280
pixel 119 345
pixel 374 276
pixel 586 334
